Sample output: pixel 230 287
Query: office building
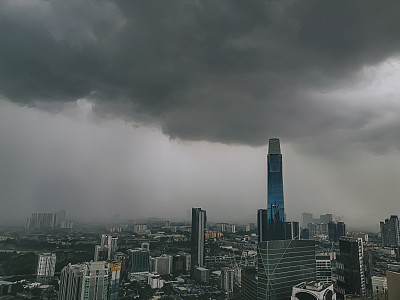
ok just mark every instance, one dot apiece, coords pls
pixel 46 267
pixel 155 281
pixel 292 231
pixel 313 291
pixel 307 219
pixel 138 260
pixel 324 268
pixel 262 225
pixel 305 234
pixel 161 265
pixel 201 275
pixel 326 218
pixel 227 279
pixel 199 223
pixel 107 248
pixel 87 281
pixel 140 228
pixel 336 230
pixel 393 281
pixel 350 267
pixel 115 275
pixel 390 232
pixel 249 283
pixel 181 263
pixel 275 205
pixel 379 285
pixel 225 227
pixel 283 264
pixel 45 221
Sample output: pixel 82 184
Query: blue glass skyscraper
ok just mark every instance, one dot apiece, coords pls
pixel 275 205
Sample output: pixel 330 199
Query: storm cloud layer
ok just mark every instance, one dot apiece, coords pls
pixel 225 71
pixel 321 75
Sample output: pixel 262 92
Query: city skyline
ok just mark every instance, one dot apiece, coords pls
pixel 93 123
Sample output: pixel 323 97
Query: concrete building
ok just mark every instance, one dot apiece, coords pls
pixel 138 260
pixel 324 268
pixel 393 281
pixel 107 248
pixel 201 275
pixel 390 232
pixel 379 285
pixel 313 291
pixel 155 281
pixel 225 227
pixel 115 275
pixel 161 265
pixel 88 281
pixel 140 228
pixel 227 280
pixel 283 264
pixel 199 224
pixel 46 267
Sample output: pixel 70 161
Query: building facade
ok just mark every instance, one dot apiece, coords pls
pixel 390 232
pixel 227 281
pixel 199 224
pixel 283 264
pixel 275 203
pixel 46 267
pixel 350 267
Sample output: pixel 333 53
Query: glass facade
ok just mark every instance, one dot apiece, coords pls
pixel 282 265
pixel 199 223
pixel 276 212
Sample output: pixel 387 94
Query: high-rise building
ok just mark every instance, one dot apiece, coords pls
pixel 283 264
pixel 46 267
pixel 115 275
pixel 393 281
pixel 390 232
pixel 227 276
pixel 350 267
pixel 326 218
pixel 336 230
pixel 181 262
pixel 87 281
pixel 138 260
pixel 107 248
pixel 275 204
pixel 307 219
pixel 201 275
pixel 199 224
pixel 292 231
pixel 161 265
pixel 140 228
pixel 324 268
pixel 45 221
pixel 262 225
pixel 249 283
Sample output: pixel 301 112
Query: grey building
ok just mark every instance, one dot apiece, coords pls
pixel 107 248
pixel 227 279
pixel 138 260
pixel 390 232
pixel 199 223
pixel 87 281
pixel 281 265
pixel 46 267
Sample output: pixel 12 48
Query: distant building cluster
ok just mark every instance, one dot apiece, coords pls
pixel 48 221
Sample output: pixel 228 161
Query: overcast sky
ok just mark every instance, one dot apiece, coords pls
pixel 149 108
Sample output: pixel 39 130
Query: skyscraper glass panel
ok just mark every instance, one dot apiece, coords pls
pixel 275 204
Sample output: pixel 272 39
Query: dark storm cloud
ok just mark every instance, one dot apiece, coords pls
pixel 225 71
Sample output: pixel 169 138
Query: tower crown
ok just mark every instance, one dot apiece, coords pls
pixel 274 146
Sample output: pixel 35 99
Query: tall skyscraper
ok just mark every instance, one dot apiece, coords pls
pixel 227 276
pixel 46 267
pixel 275 205
pixel 199 223
pixel 107 248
